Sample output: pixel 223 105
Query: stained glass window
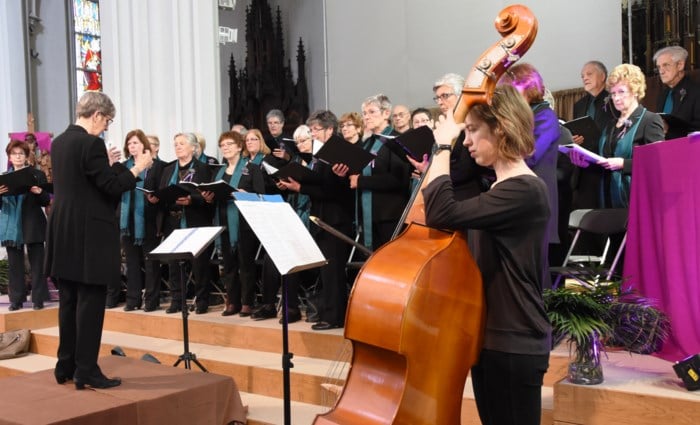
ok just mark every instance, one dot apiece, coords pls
pixel 88 49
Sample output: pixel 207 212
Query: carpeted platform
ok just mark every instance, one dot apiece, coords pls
pixel 150 394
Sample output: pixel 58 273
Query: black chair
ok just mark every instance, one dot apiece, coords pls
pixel 607 223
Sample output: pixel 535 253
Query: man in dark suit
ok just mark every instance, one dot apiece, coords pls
pixel 680 96
pixel 585 182
pixel 83 236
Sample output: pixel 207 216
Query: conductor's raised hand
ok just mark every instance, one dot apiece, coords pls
pixel 144 160
pixel 113 154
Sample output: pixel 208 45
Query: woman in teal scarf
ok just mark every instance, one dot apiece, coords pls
pixel 138 230
pixel 636 126
pixel 237 243
pixel 22 222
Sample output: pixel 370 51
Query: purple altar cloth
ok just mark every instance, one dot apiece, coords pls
pixel 663 237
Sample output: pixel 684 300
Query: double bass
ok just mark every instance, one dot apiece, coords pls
pixel 416 312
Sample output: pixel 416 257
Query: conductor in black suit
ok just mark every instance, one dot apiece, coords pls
pixel 83 235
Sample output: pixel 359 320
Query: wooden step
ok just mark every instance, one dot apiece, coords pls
pixel 254 371
pixel 26 318
pixel 230 331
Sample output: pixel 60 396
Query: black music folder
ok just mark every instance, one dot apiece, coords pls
pixel 222 190
pixel 677 127
pixel 415 143
pixel 584 126
pixel 338 151
pixel 18 182
pixel 298 172
pixel 168 194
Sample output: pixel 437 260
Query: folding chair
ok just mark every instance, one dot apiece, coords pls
pixel 605 222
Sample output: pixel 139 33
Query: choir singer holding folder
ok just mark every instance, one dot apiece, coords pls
pixel 635 126
pixel 596 104
pixel 331 201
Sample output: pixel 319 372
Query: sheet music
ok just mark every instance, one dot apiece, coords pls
pixel 283 235
pixel 185 242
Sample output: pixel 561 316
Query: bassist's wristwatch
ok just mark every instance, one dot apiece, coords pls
pixel 437 147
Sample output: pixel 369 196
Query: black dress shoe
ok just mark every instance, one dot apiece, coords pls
pixel 230 310
pixel 267 311
pixel 151 308
pixel 173 309
pixel 61 378
pixel 111 305
pixel 15 306
pixel 201 309
pixel 324 326
pixel 38 306
pixel 130 307
pixel 293 315
pixel 101 382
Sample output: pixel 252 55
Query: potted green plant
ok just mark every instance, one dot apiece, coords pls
pixel 593 314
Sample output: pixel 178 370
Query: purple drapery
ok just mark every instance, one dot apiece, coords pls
pixel 663 247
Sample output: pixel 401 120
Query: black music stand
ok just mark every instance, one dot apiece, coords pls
pixel 291 248
pixel 183 245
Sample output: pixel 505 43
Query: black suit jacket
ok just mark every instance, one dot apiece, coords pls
pixel 82 239
pixel 686 106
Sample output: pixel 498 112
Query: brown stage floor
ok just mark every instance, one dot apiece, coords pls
pixel 150 394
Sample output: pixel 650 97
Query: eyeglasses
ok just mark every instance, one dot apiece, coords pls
pixel 442 97
pixel 370 112
pixel 316 129
pixel 17 154
pixel 620 94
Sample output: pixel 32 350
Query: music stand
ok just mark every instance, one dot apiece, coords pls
pixel 180 246
pixel 290 247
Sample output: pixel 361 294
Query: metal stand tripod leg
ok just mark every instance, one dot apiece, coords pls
pixel 186 356
pixel 286 357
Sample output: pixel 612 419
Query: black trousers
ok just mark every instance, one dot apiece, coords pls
pixel 81 312
pixel 136 279
pixel 15 262
pixel 240 274
pixel 334 282
pixel 508 387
